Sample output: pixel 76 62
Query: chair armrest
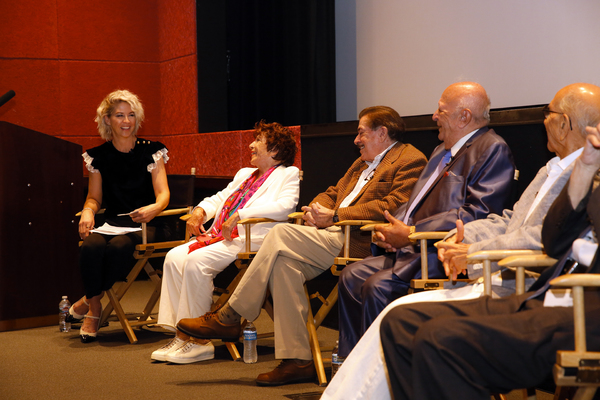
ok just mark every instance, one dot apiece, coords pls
pixel 487 256
pixel 296 215
pixel 358 222
pixel 427 236
pixel 577 280
pixel 527 261
pixel 174 211
pixel 251 221
pixel 248 223
pixel 370 227
pixel 518 263
pixel 422 237
pixel 496 255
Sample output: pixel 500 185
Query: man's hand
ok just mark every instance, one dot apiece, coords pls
pixel 453 253
pixel 585 167
pixel 392 236
pixel 317 216
pixel 194 224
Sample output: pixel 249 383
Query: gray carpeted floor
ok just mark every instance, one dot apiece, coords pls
pixel 43 363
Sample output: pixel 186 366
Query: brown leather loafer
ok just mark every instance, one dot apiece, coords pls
pixel 208 326
pixel 288 372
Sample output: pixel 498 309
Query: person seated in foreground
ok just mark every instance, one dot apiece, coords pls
pixel 469 349
pixel 127 176
pixel 382 178
pixel 271 190
pixel 468 176
pixel 576 106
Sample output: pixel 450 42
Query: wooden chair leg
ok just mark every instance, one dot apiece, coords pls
pixel 122 288
pixel 113 299
pixel 326 307
pixel 314 344
pixel 155 294
pixel 233 351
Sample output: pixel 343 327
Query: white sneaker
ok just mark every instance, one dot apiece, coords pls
pixel 174 344
pixel 192 352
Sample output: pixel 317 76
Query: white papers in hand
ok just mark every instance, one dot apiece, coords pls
pixel 107 229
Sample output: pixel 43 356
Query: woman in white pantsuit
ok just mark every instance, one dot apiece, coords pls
pixel 270 190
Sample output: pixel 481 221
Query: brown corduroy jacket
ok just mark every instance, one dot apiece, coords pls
pixel 390 187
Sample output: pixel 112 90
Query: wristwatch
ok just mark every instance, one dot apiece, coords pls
pixel 336 217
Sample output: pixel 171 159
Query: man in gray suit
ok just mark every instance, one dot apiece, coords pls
pixel 573 108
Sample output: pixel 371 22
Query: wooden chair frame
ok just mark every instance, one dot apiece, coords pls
pixel 313 321
pixel 143 252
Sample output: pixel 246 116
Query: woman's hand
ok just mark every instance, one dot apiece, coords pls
pixel 86 223
pixel 194 224
pixel 229 226
pixel 146 213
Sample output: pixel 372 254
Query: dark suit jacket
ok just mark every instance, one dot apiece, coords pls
pixel 477 181
pixel 563 225
pixel 388 189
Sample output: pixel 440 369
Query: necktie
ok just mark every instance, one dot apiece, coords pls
pixel 445 159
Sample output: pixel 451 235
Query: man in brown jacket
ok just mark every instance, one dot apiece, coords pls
pixel 381 179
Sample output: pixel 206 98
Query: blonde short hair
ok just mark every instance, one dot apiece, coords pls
pixel 108 105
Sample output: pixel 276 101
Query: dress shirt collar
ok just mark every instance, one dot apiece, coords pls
pixel 379 156
pixel 454 149
pixel 563 163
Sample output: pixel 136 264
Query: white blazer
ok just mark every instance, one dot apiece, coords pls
pixel 276 198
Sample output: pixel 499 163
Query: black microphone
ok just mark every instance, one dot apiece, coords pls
pixel 6 97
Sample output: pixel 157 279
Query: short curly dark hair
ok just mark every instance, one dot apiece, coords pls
pixel 385 116
pixel 278 138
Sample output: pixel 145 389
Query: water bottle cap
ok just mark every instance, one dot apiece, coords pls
pixel 64 297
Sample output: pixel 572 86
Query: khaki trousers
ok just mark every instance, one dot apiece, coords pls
pixel 289 256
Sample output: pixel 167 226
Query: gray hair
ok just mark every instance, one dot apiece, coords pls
pixel 583 113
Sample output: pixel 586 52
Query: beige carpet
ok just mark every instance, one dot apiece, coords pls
pixel 43 363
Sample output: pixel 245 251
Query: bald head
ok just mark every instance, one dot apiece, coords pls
pixel 463 107
pixel 581 102
pixel 471 96
pixel 572 109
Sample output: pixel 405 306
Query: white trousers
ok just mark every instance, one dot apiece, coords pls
pixel 187 283
pixel 363 374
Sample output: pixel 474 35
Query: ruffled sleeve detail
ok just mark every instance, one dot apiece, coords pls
pixel 157 156
pixel 88 163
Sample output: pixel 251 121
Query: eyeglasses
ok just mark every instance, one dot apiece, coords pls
pixel 547 111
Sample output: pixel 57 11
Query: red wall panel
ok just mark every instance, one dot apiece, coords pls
pixel 28 34
pixel 179 96
pixel 84 84
pixel 214 154
pixel 177 28
pixel 36 105
pixel 110 30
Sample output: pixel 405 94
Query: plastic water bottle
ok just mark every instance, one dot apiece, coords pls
pixel 250 355
pixel 63 308
pixel 336 362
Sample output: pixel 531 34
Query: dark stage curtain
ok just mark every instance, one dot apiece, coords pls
pixel 281 62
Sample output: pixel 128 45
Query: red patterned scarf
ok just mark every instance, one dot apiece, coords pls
pixel 236 200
